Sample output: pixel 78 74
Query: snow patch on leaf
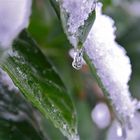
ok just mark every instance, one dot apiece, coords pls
pixel 112 65
pixel 78 11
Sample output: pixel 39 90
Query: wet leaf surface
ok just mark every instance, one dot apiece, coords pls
pixel 40 83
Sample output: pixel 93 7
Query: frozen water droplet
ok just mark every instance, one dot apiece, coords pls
pixel 117 133
pixel 78 59
pixel 129 125
pixel 121 131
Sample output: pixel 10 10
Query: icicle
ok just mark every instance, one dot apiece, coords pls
pixel 78 59
pixel 116 133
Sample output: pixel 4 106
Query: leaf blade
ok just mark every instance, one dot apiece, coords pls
pixel 40 84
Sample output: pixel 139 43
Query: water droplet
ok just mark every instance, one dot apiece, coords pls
pixel 119 131
pixel 78 59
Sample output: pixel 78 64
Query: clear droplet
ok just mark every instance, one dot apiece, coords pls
pixel 119 131
pixel 78 59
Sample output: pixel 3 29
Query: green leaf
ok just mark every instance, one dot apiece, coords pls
pixel 10 130
pixel 55 5
pixel 40 84
pixel 52 133
pixel 106 3
pixel 13 106
pixel 18 119
pixel 87 129
pixel 83 30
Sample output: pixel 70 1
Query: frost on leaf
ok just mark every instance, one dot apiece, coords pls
pixel 112 65
pixel 115 131
pixel 14 17
pixel 74 15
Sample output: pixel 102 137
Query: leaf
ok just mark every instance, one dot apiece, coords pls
pixel 106 3
pixel 17 120
pixel 13 106
pixel 83 30
pixel 17 130
pixel 87 129
pixel 40 83
pixel 52 133
pixel 94 73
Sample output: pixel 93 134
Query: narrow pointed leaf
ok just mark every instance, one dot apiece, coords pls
pixel 10 130
pixel 83 30
pixel 17 117
pixel 40 83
